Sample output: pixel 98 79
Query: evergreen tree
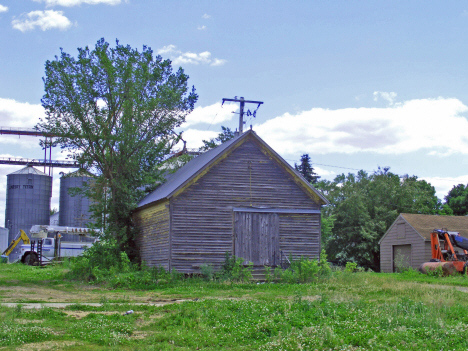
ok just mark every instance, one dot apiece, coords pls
pixel 225 135
pixel 306 170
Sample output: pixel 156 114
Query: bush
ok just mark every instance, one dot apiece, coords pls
pixel 234 270
pixel 304 270
pixel 350 267
pixel 206 271
pixel 401 262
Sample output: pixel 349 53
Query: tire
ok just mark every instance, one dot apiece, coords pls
pixel 465 268
pixel 434 260
pixel 31 259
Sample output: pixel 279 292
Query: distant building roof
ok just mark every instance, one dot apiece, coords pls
pixel 192 168
pixel 29 170
pixel 425 224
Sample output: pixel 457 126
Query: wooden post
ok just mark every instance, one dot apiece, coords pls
pixel 241 114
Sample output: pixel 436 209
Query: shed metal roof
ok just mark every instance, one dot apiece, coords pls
pixel 192 168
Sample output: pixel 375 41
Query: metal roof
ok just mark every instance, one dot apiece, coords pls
pixel 193 167
pixel 29 170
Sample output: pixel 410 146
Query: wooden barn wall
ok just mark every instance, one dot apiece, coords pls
pixel 408 236
pixel 202 214
pixel 300 235
pixel 153 239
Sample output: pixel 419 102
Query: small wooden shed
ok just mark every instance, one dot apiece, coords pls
pixel 409 237
pixel 240 197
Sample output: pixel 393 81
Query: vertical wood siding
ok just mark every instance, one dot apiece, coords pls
pixel 396 236
pixel 256 238
pixel 153 239
pixel 202 215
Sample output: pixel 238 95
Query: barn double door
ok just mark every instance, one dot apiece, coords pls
pixel 256 238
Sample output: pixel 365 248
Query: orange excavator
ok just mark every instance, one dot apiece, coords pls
pixel 444 254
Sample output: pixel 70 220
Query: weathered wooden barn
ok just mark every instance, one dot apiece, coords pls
pixel 240 197
pixel 410 237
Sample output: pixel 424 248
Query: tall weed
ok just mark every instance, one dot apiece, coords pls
pixel 304 270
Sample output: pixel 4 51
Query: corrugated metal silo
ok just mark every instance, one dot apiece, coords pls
pixel 74 210
pixel 27 201
pixel 3 239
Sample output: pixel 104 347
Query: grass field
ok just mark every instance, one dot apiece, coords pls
pixel 348 311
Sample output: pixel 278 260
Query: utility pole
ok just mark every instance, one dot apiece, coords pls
pixel 241 114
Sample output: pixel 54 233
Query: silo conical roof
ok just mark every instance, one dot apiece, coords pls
pixel 78 173
pixel 29 170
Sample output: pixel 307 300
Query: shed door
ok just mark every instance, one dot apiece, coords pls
pixel 401 256
pixel 256 237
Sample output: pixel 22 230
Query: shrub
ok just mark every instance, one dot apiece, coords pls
pixel 268 274
pixel 304 270
pixel 401 262
pixel 438 272
pixel 233 269
pixel 206 271
pixel 350 267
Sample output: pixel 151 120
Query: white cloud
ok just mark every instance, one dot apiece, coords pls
pixel 206 16
pixel 218 62
pixel 388 96
pixel 166 49
pixel 70 3
pixel 3 8
pixel 213 114
pixel 14 114
pixel 19 114
pixel 433 125
pixel 201 27
pixel 443 185
pixel 179 57
pixel 45 20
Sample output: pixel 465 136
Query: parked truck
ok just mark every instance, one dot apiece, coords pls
pixel 44 247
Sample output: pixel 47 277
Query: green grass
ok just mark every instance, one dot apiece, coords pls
pixel 347 311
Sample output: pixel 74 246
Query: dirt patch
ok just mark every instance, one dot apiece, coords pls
pixel 27 321
pixel 82 314
pixel 139 335
pixel 46 345
pixel 14 293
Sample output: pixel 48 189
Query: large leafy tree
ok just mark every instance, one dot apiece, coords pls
pixel 115 110
pixel 362 208
pixel 457 200
pixel 306 170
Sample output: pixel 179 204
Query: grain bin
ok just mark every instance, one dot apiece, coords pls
pixel 3 239
pixel 27 202
pixel 74 210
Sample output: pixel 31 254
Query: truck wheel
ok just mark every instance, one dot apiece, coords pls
pixel 31 260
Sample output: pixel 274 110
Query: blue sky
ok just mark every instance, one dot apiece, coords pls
pixel 356 84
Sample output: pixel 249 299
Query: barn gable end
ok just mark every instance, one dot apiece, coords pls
pixel 246 201
pixel 399 238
